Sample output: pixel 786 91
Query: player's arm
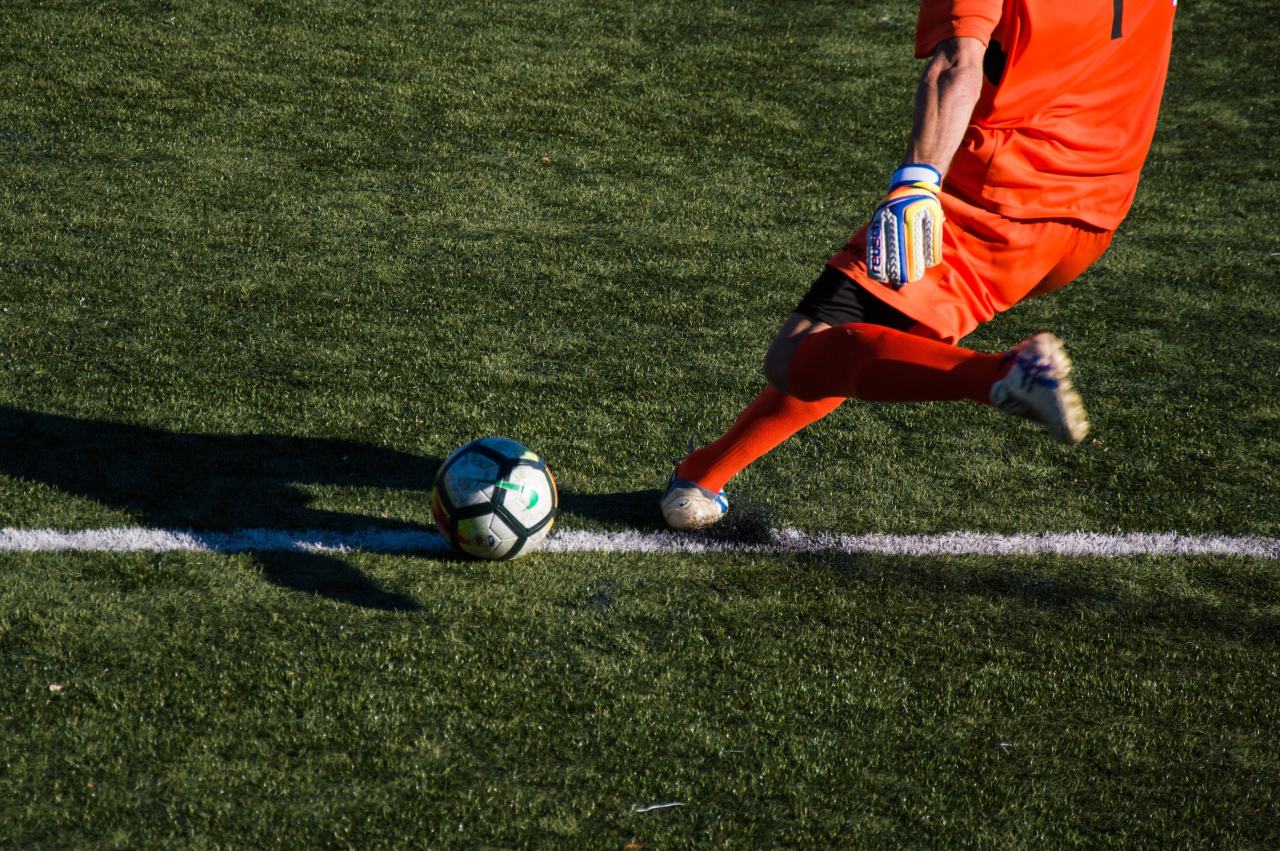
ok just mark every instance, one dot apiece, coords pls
pixel 945 98
pixel 905 235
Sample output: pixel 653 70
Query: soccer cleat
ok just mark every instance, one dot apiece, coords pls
pixel 1038 387
pixel 687 505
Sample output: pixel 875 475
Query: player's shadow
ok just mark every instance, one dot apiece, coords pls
pixel 212 482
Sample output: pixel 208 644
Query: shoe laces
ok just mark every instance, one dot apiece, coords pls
pixel 1036 369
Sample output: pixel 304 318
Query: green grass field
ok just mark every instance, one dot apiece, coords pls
pixel 265 264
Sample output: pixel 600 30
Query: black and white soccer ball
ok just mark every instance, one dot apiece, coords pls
pixel 494 498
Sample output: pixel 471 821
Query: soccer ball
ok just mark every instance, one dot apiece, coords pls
pixel 494 498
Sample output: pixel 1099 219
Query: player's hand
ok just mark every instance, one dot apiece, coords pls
pixel 905 235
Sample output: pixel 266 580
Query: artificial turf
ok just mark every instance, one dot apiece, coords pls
pixel 264 264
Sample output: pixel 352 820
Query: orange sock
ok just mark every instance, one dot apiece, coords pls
pixel 770 419
pixel 869 362
pixel 881 364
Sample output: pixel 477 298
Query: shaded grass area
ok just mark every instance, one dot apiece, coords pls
pixel 264 264
pixel 783 701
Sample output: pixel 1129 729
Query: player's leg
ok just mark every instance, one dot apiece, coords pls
pixel 879 364
pixel 1003 262
pixel 769 420
pixel 873 359
pixel 1086 247
pixel 990 263
pixel 694 497
pixel 793 331
pixel 1039 385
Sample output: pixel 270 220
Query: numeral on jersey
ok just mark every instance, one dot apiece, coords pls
pixel 1117 18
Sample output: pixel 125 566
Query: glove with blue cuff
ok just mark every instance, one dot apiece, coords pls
pixel 905 235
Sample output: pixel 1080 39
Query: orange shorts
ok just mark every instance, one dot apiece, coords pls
pixel 989 264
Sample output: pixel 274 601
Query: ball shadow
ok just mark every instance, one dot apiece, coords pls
pixel 632 509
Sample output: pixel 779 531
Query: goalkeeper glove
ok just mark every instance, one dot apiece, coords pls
pixel 905 235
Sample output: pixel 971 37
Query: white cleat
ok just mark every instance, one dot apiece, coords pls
pixel 1038 387
pixel 686 505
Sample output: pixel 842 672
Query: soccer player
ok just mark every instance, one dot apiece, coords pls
pixel 1032 121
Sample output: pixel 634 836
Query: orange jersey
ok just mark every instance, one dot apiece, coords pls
pixel 1069 105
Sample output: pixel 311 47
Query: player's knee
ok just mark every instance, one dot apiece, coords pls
pixel 777 364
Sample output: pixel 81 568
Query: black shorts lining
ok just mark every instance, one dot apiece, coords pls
pixel 837 299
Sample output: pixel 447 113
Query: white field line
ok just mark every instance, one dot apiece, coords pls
pixel 120 540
